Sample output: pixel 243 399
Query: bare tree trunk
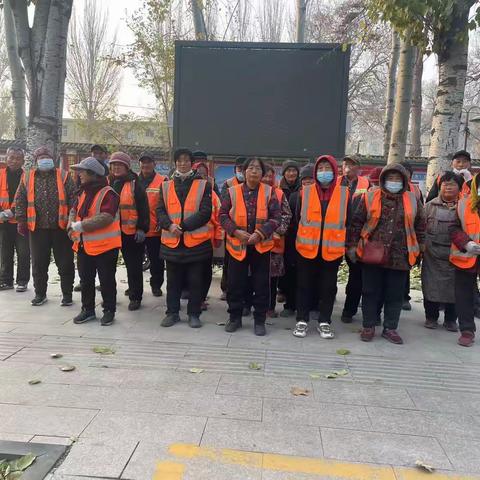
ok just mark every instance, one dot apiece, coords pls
pixel 198 20
pixel 403 102
pixel 416 111
pixel 392 79
pixel 452 70
pixel 301 19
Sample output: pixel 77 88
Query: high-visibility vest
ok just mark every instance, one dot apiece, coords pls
pixel 414 188
pixel 238 213
pixel 470 222
pixel 279 243
pixel 363 184
pixel 232 182
pixel 103 239
pixel 29 182
pixel 216 231
pixel 153 196
pixel 128 209
pixel 373 203
pixel 4 194
pixel 309 234
pixel 191 206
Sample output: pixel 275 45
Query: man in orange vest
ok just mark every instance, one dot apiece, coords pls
pixel 183 214
pixel 10 239
pixel 152 184
pixel 42 203
pixel 94 227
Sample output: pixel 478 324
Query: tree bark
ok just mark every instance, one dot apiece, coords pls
pixel 403 102
pixel 391 87
pixel 452 70
pixel 198 20
pixel 301 20
pixel 416 111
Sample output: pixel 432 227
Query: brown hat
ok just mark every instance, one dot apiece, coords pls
pixel 42 151
pixel 355 160
pixel 121 157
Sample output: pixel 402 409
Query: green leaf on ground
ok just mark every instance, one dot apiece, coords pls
pixel 331 375
pixel 103 350
pixel 196 370
pixel 34 381
pixel 56 355
pixel 22 463
pixel 67 368
pixel 254 366
pixel 341 373
pixel 343 351
pixel 315 375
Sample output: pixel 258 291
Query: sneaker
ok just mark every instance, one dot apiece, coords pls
pixel 431 324
pixel 84 317
pixel 194 321
pixel 6 286
pixel 450 326
pixel 77 287
pixel 325 330
pixel 260 330
pixel 39 300
pixel 367 334
pixel 347 318
pixel 223 296
pixel 134 305
pixel 246 312
pixel 157 292
pixel 272 314
pixel 21 287
pixel 170 320
pixel 67 301
pixel 107 319
pixel 301 329
pixel 392 336
pixel 466 339
pixel 233 324
pixel 286 312
pixel 407 305
pixel 281 298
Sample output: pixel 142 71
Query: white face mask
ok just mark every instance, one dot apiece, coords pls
pixel 45 164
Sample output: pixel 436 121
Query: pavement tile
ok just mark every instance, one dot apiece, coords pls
pixel 172 378
pixel 464 453
pixel 15 437
pixel 52 440
pixel 437 401
pixel 103 377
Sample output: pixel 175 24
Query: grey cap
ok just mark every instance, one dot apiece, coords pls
pixel 92 164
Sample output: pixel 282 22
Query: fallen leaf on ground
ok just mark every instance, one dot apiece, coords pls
pixel 221 324
pixel 196 370
pixel 34 381
pixel 56 355
pixel 254 366
pixel 424 466
pixel 314 375
pixel 331 375
pixel 67 368
pixel 343 351
pixel 341 373
pixel 299 392
pixel 103 350
pixel 21 464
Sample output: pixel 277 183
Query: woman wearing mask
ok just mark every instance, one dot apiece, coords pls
pixel 387 235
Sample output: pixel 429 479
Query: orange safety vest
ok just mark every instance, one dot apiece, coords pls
pixel 334 229
pixel 29 182
pixel 153 197
pixel 279 243
pixel 232 182
pixel 238 213
pixel 128 209
pixel 470 222
pixel 104 239
pixel 216 230
pixel 174 211
pixel 4 194
pixel 373 203
pixel 363 184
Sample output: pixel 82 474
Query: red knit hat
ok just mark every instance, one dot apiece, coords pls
pixel 43 150
pixel 121 157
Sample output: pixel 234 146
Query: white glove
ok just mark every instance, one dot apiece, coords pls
pixel 8 213
pixel 3 217
pixel 77 226
pixel 473 248
pixel 466 174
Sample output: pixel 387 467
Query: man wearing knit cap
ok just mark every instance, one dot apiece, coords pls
pixel 134 222
pixel 43 201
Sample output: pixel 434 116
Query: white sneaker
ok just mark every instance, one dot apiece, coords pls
pixel 300 329
pixel 325 330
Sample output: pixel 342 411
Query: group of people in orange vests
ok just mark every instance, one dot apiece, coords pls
pixel 284 241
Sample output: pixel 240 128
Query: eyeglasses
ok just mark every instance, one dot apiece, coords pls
pixel 254 169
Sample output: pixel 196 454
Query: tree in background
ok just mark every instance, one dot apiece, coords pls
pixel 301 15
pixel 271 21
pixel 416 110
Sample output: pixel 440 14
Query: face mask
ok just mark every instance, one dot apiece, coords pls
pixel 325 177
pixel 45 164
pixel 183 175
pixel 240 176
pixel 393 187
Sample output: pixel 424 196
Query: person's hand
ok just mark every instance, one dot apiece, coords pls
pixel 8 213
pixel 473 248
pixel 217 243
pixel 352 254
pixel 242 235
pixel 175 230
pixel 254 239
pixel 139 236
pixel 3 217
pixel 22 229
pixel 77 226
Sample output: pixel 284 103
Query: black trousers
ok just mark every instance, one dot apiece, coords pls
pixel 157 264
pixel 10 242
pixel 390 284
pixel 42 243
pixel 289 286
pixel 207 278
pixel 258 266
pixel 105 265
pixel 354 289
pixel 224 281
pixel 465 299
pixel 407 296
pixel 273 292
pixel 132 253
pixel 316 282
pixel 432 311
pixel 191 276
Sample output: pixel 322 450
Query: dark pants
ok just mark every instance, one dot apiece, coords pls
pixel 207 278
pixel 289 286
pixel 273 293
pixel 316 279
pixel 10 242
pixel 157 264
pixel 353 290
pixel 407 296
pixel 258 265
pixel 224 280
pixel 105 265
pixel 42 242
pixel 465 299
pixel 378 281
pixel 132 253
pixel 191 276
pixel 432 311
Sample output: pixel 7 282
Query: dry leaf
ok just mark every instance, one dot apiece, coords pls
pixel 34 381
pixel 314 375
pixel 341 373
pixel 196 370
pixel 67 368
pixel 56 355
pixel 424 466
pixel 221 324
pixel 343 351
pixel 103 350
pixel 299 392
pixel 331 375
pixel 254 366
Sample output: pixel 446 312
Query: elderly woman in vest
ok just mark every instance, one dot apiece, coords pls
pixel 134 222
pixel 438 274
pixel 42 204
pixel 94 227
pixel 250 214
pixel 387 235
pixel 183 214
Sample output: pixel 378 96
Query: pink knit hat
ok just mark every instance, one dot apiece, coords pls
pixel 121 157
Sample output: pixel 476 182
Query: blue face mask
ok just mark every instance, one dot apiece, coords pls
pixel 240 176
pixel 45 164
pixel 325 177
pixel 393 187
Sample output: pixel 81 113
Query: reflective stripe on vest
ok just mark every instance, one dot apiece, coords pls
pixel 309 234
pixel 103 239
pixel 238 214
pixel 470 222
pixel 153 197
pixel 4 194
pixel 373 204
pixel 279 243
pixel 232 182
pixel 29 182
pixel 363 185
pixel 128 209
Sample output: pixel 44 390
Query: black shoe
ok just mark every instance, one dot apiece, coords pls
pixel 157 292
pixel 406 305
pixel 134 305
pixel 21 287
pixel 6 286
pixel 77 288
pixel 233 325
pixel 246 312
pixel 84 317
pixel 260 330
pixel 127 292
pixel 170 320
pixel 107 319
pixel 346 318
pixel 39 300
pixel 67 301
pixel 194 321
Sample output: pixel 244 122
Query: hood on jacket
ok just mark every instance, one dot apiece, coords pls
pixel 394 167
pixel 331 160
